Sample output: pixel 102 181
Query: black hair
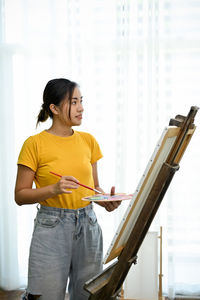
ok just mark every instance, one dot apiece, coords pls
pixel 55 91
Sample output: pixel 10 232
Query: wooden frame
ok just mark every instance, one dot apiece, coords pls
pixel 142 209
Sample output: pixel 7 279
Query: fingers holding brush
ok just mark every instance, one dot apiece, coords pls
pixel 64 184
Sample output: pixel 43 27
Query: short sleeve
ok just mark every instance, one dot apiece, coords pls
pixel 29 154
pixel 96 153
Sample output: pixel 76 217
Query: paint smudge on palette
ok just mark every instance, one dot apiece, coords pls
pixel 106 197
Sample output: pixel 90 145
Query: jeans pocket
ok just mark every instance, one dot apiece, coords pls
pixel 92 217
pixel 47 221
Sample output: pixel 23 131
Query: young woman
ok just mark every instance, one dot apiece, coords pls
pixel 67 239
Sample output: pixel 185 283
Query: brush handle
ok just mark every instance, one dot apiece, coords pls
pixel 85 186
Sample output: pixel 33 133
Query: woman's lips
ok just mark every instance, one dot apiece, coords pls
pixel 79 117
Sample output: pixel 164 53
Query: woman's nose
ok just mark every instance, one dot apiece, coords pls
pixel 80 107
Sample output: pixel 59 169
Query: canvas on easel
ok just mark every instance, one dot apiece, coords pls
pixel 159 157
pixel 143 206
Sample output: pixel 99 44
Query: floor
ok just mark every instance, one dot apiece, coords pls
pixel 11 295
pixel 14 295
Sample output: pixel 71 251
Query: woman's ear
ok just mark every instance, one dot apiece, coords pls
pixel 53 109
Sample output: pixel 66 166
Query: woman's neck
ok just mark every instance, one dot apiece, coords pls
pixel 60 130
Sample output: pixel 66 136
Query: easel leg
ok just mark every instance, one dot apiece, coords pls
pixel 160 296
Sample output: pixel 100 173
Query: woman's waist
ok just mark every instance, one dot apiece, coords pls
pixel 58 211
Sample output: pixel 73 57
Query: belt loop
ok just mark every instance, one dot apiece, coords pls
pixel 62 213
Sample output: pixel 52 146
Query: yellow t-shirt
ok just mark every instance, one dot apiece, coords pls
pixel 70 156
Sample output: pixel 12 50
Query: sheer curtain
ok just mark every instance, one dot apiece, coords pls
pixel 138 65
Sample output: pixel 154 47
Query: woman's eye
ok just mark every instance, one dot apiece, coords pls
pixel 74 102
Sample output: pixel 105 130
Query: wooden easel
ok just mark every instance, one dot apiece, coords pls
pixel 160 290
pixel 107 285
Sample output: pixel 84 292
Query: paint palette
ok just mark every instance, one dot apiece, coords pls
pixel 107 197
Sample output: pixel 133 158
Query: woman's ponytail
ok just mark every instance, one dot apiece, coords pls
pixel 42 116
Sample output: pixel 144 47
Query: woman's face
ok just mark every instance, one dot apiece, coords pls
pixel 76 110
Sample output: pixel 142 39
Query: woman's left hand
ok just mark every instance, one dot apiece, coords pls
pixel 112 205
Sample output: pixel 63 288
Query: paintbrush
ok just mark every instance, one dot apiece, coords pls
pixel 85 186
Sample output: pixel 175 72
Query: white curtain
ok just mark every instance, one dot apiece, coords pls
pixel 138 65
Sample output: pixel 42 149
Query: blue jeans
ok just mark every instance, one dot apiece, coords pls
pixel 66 243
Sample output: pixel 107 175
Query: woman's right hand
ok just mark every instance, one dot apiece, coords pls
pixel 65 184
pixel 26 194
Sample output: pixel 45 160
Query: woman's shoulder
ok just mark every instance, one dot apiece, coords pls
pixel 89 139
pixel 32 139
pixel 85 135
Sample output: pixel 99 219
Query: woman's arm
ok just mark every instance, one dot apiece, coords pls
pixel 109 206
pixel 96 179
pixel 25 194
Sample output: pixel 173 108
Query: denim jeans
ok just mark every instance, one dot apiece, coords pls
pixel 66 244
